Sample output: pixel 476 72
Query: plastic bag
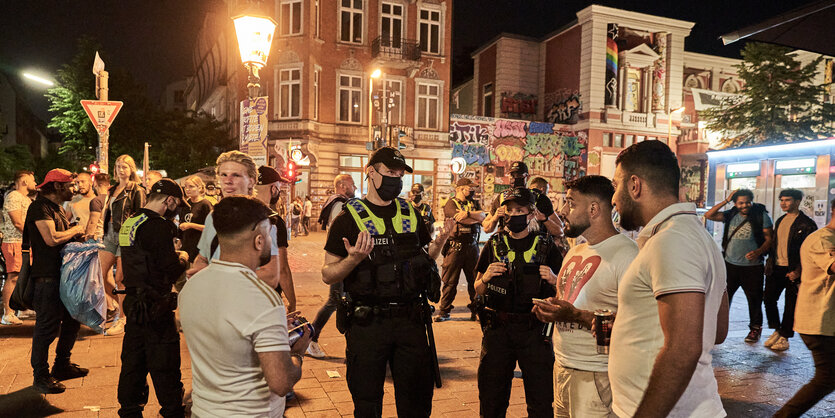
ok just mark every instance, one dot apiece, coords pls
pixel 82 286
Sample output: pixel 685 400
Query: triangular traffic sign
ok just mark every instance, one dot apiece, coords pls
pixel 101 113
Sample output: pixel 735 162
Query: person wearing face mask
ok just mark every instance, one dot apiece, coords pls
pixel 377 248
pixel 509 277
pixel 544 209
pixel 416 197
pixel 461 251
pixel 152 341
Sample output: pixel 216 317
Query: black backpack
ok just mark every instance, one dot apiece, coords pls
pixel 325 214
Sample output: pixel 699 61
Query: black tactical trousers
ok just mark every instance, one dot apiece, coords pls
pixel 456 260
pixel 400 342
pixel 503 346
pixel 150 348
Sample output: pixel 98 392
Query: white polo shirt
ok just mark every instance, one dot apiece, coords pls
pixel 228 317
pixel 676 255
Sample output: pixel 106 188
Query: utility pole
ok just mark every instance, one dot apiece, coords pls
pixel 101 94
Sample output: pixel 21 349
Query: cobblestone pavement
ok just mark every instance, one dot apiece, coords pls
pixel 753 380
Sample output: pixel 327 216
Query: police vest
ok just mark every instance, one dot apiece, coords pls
pixel 134 259
pixel 465 233
pixel 513 291
pixel 395 270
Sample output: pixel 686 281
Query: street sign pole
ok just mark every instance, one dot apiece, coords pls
pixel 104 136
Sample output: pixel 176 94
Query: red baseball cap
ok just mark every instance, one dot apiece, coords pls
pixel 57 175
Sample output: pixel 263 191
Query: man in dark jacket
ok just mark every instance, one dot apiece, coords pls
pixel 747 238
pixel 783 267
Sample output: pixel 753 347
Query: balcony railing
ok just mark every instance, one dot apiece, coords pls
pixel 395 49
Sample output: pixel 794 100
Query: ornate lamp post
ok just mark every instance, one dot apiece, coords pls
pixel 255 37
pixel 375 74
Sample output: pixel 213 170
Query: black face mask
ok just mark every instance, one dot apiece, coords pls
pixel 471 195
pixel 417 199
pixel 517 223
pixel 519 182
pixel 170 213
pixel 390 187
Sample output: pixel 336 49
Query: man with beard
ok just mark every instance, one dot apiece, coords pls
pixel 78 209
pixel 672 307
pixel 745 241
pixel 587 281
pixel 14 206
pixel 376 247
pixel 461 252
pixel 236 325
pixel 47 230
pixel 544 212
pixel 151 266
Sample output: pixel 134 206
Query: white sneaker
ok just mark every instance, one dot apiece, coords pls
pixel 313 350
pixel 27 314
pixel 772 339
pixel 781 344
pixel 10 319
pixel 118 327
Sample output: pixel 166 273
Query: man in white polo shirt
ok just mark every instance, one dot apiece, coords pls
pixel 672 304
pixel 242 363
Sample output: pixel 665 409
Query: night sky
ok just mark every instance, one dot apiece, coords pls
pixel 154 38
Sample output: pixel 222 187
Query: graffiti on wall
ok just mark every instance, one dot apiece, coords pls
pixel 565 111
pixel 693 178
pixel 518 105
pixel 470 141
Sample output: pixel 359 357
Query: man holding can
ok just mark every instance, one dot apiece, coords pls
pixel 587 283
pixel 672 304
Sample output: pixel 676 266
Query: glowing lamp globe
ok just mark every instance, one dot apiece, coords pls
pixel 255 37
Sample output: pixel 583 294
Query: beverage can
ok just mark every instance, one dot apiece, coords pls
pixel 603 320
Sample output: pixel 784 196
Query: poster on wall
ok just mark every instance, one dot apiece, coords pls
pixel 254 127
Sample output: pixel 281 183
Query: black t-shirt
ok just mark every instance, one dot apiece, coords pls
pixel 345 226
pixel 543 204
pixel 154 237
pixel 553 259
pixel 462 232
pixel 198 213
pixel 46 260
pixel 280 232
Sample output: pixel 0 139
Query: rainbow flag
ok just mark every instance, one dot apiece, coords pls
pixel 611 55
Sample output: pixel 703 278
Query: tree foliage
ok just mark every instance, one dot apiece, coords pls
pixel 181 143
pixel 14 158
pixel 780 101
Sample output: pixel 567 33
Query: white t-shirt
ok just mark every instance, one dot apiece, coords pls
pixel 204 246
pixel 676 255
pixel 589 280
pixel 228 316
pixel 308 208
pixel 815 312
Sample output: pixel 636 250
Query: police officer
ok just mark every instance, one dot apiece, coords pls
pixel 544 212
pixel 461 251
pixel 376 247
pixel 152 342
pixel 509 276
pixel 416 197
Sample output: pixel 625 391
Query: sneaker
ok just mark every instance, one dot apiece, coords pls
pixel 27 314
pixel 313 350
pixel 782 344
pixel 49 384
pixel 754 335
pixel 441 317
pixel 68 371
pixel 772 339
pixel 290 396
pixel 10 319
pixel 118 327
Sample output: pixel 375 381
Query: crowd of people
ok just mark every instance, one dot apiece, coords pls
pixel 539 286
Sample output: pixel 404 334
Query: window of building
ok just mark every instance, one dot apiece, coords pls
pixel 316 74
pixel 428 105
pixel 639 138
pixel 630 139
pixel 487 100
pixel 394 91
pixel 424 173
pixel 350 21
pixel 618 141
pixel 316 16
pixel 354 165
pixel 291 17
pixel 430 31
pixel 391 25
pixel 289 93
pixel 350 98
pixel 607 139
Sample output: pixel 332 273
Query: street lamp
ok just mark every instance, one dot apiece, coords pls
pixel 37 79
pixel 670 122
pixel 255 37
pixel 375 74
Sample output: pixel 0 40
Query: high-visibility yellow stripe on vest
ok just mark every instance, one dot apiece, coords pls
pixel 127 235
pixel 368 221
pixel 511 255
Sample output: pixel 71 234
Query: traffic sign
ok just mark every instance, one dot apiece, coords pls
pixel 101 113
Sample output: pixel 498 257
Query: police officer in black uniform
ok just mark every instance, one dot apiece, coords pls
pixel 509 277
pixel 416 197
pixel 461 251
pixel 152 342
pixel 376 247
pixel 545 214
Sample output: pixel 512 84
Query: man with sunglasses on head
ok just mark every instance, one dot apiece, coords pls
pixel 376 248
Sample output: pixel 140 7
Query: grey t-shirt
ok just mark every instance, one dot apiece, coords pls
pixel 743 242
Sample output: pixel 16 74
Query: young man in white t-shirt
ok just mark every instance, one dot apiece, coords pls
pixel 672 303
pixel 587 281
pixel 241 359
